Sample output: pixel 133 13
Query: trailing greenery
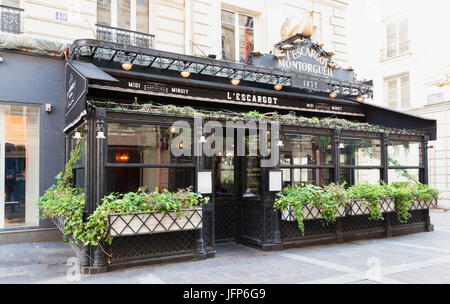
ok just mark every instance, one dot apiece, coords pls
pixel 67 202
pixel 330 198
pixel 290 118
pixel 327 200
pixel 141 201
pixel 370 196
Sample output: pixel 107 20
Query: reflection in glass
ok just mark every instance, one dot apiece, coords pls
pixel 359 176
pixel 246 36
pixel 224 176
pixel 19 165
pixel 403 175
pixel 405 153
pixel 360 152
pixel 104 12
pixel 130 179
pixel 305 150
pixel 318 177
pixel 142 15
pixel 123 14
pixel 252 177
pixel 228 36
pixel 144 144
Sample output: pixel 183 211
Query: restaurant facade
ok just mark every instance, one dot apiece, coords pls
pixel 156 119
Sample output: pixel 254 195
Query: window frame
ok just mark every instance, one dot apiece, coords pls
pixel 133 15
pixel 400 102
pixel 236 31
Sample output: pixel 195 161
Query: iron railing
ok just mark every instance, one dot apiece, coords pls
pixel 123 36
pixel 11 19
pixel 395 50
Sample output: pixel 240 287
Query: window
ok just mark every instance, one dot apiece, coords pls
pixel 12 3
pixel 301 156
pixel 397 43
pixel 124 14
pixel 360 160
pixel 19 165
pixel 140 156
pixel 398 92
pixel 237 36
pixel 405 161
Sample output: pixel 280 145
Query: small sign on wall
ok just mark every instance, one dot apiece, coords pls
pixel 204 182
pixel 275 180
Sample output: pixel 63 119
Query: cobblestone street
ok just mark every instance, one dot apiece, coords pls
pixel 417 258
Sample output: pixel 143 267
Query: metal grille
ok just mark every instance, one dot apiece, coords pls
pixel 290 231
pixel 11 19
pixel 417 216
pixel 268 225
pixel 252 221
pixel 359 222
pixel 208 229
pixel 123 36
pixel 225 220
pixel 59 223
pixel 121 225
pixel 152 245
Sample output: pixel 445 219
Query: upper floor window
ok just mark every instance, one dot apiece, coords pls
pixel 12 3
pixel 398 92
pixel 237 36
pixel 397 43
pixel 125 14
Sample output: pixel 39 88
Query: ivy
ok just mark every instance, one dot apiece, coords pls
pixel 330 198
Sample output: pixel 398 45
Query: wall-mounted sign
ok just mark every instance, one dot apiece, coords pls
pixel 204 182
pixel 275 180
pixel 243 97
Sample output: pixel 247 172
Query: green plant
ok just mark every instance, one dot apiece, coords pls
pixel 371 196
pixel 141 201
pixel 326 200
pixel 404 195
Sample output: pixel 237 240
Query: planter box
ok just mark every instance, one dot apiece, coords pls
pixel 420 205
pixel 148 223
pixel 309 213
pixel 387 205
pixel 358 208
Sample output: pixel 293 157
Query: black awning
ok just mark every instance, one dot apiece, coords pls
pixel 77 77
pixel 91 71
pixel 379 115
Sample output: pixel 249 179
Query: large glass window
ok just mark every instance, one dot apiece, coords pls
pixel 300 156
pixel 131 179
pixel 144 144
pixel 140 145
pixel 360 152
pixel 404 153
pixel 297 176
pixel 305 150
pixel 19 165
pixel 243 25
pixel 359 176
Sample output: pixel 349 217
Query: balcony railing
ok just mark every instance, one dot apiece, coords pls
pixel 11 19
pixel 122 36
pixel 395 50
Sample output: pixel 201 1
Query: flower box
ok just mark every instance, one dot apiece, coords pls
pixel 359 207
pixel 420 205
pixel 148 223
pixel 309 213
pixel 387 205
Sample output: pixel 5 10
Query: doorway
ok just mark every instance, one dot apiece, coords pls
pixel 237 181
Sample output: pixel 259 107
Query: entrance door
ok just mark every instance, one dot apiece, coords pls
pixel 19 166
pixel 237 190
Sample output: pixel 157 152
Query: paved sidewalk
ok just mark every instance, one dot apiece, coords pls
pixel 416 258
